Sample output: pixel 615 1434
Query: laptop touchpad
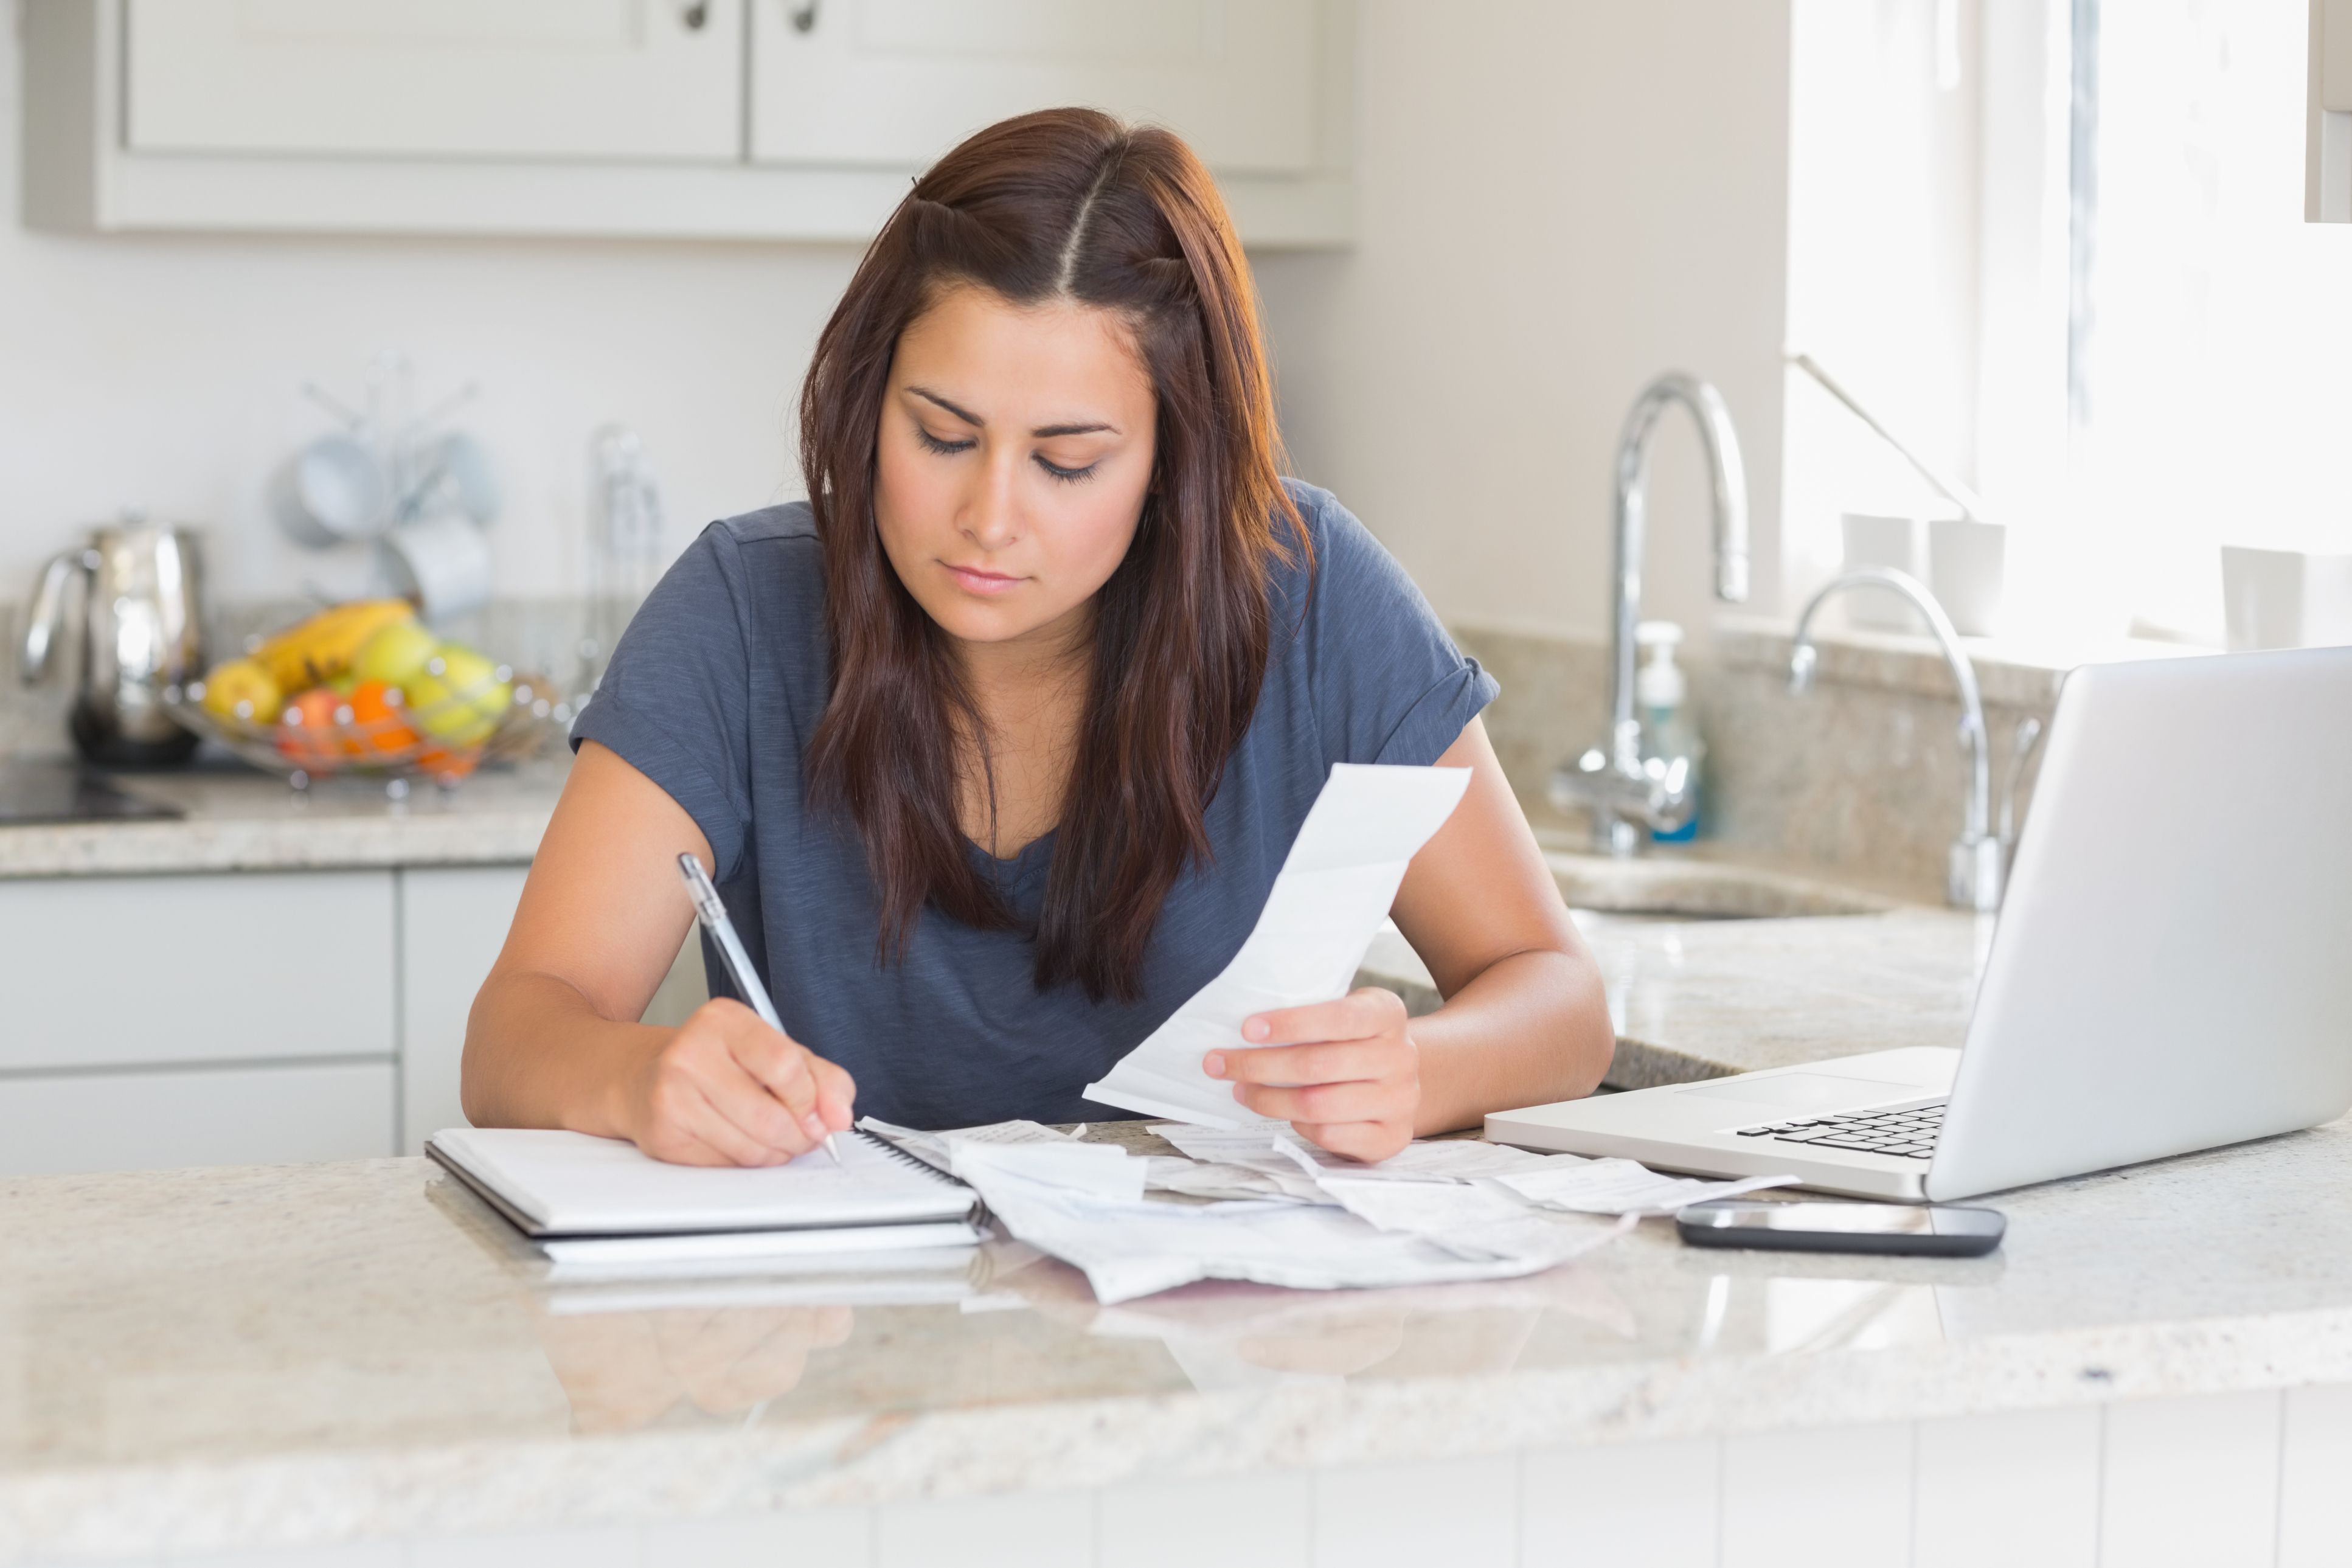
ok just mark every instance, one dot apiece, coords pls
pixel 1799 1090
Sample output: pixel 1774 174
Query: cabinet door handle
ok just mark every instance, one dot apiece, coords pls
pixel 804 15
pixel 694 14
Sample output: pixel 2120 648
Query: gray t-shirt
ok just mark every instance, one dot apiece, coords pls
pixel 716 691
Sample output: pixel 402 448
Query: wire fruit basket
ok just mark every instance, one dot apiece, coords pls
pixel 443 742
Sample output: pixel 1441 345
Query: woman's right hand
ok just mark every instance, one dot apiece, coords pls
pixel 726 1089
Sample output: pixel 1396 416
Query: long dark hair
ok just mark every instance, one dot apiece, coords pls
pixel 1066 203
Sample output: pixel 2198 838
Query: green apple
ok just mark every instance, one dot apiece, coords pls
pixel 395 655
pixel 457 696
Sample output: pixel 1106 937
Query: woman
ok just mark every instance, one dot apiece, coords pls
pixel 995 745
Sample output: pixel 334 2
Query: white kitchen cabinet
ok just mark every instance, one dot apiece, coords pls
pixel 156 971
pixel 617 118
pixel 453 922
pixel 518 79
pixel 895 82
pixel 233 1115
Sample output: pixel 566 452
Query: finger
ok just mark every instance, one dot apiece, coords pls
pixel 1370 1142
pixel 723 1104
pixel 1358 1015
pixel 714 1075
pixel 684 1134
pixel 1321 1102
pixel 1332 1063
pixel 836 1094
pixel 779 1064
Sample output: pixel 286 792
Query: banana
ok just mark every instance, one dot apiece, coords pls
pixel 324 646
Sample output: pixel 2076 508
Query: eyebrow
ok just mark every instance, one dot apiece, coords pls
pixel 1043 433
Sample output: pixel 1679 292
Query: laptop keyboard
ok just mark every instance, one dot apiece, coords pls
pixel 1909 1132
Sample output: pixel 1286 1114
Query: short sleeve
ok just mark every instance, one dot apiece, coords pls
pixel 1388 684
pixel 674 702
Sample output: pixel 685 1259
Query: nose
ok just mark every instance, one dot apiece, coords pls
pixel 991 518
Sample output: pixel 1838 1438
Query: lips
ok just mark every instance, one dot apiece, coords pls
pixel 974 581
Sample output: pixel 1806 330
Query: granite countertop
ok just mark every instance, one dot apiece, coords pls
pixel 235 819
pixel 215 1360
pixel 1704 997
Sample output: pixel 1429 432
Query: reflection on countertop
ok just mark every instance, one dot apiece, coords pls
pixel 235 819
pixel 194 1348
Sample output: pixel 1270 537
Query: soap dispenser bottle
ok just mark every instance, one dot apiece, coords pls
pixel 1663 694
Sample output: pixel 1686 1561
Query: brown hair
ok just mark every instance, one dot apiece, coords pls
pixel 1066 203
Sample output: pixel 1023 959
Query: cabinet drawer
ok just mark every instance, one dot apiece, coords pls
pixel 203 1116
pixel 104 971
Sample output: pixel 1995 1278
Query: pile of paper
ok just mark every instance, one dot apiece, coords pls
pixel 1290 1214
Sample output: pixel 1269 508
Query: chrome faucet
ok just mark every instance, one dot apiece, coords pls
pixel 1975 865
pixel 1626 793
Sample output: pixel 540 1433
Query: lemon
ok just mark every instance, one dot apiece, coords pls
pixel 241 689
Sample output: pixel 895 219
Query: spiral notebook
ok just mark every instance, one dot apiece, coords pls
pixel 553 1186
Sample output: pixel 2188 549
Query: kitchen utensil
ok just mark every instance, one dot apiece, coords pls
pixel 333 492
pixel 443 563
pixel 142 637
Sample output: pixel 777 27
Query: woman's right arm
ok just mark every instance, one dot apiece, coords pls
pixel 553 1040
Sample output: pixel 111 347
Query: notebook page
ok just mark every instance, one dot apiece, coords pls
pixel 571 1184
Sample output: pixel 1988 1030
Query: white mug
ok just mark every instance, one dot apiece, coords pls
pixel 1895 541
pixel 443 563
pixel 1965 568
pixel 2285 598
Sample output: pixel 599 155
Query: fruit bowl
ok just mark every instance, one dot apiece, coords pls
pixel 404 743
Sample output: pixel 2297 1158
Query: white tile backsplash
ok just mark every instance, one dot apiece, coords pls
pixel 1641 1505
pixel 1410 1516
pixel 1015 1530
pixel 1836 1497
pixel 1227 1522
pixel 832 1537
pixel 2315 1479
pixel 2019 1488
pixel 2192 1483
pixel 607 1547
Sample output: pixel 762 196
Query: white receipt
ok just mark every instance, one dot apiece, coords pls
pixel 1090 1212
pixel 931 1148
pixel 1620 1186
pixel 1334 889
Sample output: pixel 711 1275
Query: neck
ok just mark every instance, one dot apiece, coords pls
pixel 1032 668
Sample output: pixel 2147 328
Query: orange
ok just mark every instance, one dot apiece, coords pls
pixel 379 719
pixel 305 730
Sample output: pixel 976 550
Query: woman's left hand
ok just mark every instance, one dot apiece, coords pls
pixel 1344 1073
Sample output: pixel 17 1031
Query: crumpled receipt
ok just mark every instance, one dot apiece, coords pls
pixel 1335 888
pixel 1084 1204
pixel 1293 1214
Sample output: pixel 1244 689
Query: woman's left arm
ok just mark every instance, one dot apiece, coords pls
pixel 1525 1022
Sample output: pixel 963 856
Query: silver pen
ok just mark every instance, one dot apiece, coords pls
pixel 713 916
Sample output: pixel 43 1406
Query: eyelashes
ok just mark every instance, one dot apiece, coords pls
pixel 931 443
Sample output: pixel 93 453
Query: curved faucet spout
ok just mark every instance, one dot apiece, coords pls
pixel 1727 493
pixel 1975 869
pixel 1612 781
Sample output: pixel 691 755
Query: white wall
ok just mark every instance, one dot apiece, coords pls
pixel 163 374
pixel 1560 199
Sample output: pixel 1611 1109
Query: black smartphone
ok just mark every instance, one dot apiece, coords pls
pixel 1843 1227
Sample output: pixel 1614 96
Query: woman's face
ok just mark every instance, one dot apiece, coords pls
pixel 1015 448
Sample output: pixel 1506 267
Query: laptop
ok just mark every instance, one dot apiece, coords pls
pixel 2172 969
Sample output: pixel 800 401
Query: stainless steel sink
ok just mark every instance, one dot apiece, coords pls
pixel 1699 890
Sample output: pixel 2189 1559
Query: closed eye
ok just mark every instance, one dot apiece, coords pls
pixel 931 443
pixel 1067 476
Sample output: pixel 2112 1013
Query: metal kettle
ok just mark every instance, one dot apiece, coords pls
pixel 142 633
